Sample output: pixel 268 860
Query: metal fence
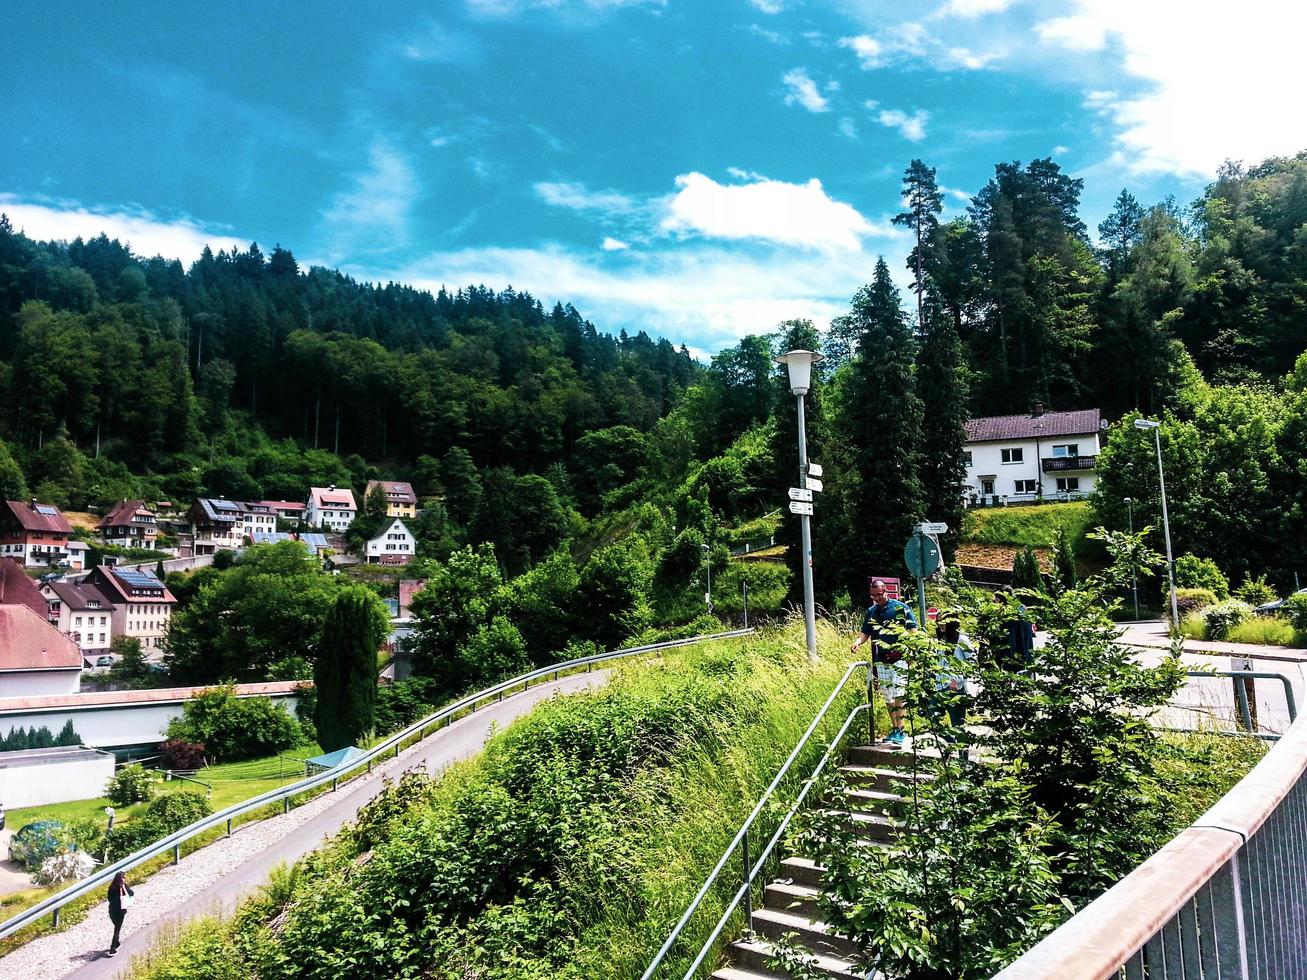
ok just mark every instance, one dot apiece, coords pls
pixel 392 745
pixel 1227 898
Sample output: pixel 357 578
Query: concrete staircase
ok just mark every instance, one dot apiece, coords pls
pixel 873 774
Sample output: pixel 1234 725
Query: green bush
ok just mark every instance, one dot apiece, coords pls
pixel 1223 616
pixel 1255 591
pixel 130 784
pixel 1297 609
pixel 173 811
pixel 1193 600
pixel 1192 572
pixel 1266 630
pixel 130 836
pixel 233 728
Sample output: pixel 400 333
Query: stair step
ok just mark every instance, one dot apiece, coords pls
pixel 877 777
pixel 888 756
pixel 755 954
pixel 736 973
pixel 872 801
pixel 789 896
pixel 802 871
pixel 812 934
pixel 870 827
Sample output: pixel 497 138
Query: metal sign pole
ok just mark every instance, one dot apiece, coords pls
pixel 805 553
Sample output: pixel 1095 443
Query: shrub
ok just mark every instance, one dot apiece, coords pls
pixel 130 784
pixel 1297 607
pixel 1193 572
pixel 1192 600
pixel 1255 591
pixel 1266 630
pixel 36 842
pixel 233 728
pixel 1223 616
pixel 173 811
pixel 130 836
pixel 86 833
pixel 181 754
pixel 63 866
pixel 1193 625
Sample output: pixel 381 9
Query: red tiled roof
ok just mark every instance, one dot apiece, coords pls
pixel 396 492
pixel 92 699
pixel 32 519
pixel 28 642
pixel 121 514
pixel 1050 424
pixel 113 584
pixel 16 589
pixel 338 498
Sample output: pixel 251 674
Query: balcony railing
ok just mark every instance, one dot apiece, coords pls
pixel 1058 464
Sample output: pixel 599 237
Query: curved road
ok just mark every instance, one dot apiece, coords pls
pixel 215 878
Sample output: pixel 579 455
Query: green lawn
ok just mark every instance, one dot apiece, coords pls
pixel 1032 525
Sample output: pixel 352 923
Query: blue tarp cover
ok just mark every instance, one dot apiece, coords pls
pixel 332 759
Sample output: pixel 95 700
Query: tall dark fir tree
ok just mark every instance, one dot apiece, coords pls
pixel 942 383
pixel 880 431
pixel 923 203
pixel 345 674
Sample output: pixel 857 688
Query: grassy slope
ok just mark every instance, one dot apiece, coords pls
pixel 629 867
pixel 1019 526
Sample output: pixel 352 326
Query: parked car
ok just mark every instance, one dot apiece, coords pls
pixel 1278 604
pixel 105 661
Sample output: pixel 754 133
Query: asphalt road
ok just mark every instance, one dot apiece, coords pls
pixel 79 951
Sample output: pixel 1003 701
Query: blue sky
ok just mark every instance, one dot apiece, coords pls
pixel 701 169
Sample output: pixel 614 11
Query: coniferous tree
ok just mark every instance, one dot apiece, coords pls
pixel 880 436
pixel 1064 562
pixel 1025 570
pixel 345 673
pixel 942 383
pixel 923 203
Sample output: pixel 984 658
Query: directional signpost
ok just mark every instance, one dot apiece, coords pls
pixel 800 493
pixel 799 507
pixel 923 557
pixel 815 485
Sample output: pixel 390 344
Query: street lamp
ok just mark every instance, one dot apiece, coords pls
pixel 1134 580
pixel 799 365
pixel 1156 427
pixel 707 559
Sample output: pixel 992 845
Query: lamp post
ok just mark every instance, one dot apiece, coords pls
pixel 1156 427
pixel 1134 581
pixel 799 365
pixel 707 559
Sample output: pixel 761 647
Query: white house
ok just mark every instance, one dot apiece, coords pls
pixel 1022 458
pixel 330 508
pixel 82 613
pixel 393 546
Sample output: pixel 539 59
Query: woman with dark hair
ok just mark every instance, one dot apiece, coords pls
pixel 120 900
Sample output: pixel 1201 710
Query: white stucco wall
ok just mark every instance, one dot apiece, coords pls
pixel 987 461
pixel 39 683
pixel 53 782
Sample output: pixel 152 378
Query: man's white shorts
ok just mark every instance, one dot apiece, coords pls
pixel 891 679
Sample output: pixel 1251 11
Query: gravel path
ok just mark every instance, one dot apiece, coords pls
pixel 215 877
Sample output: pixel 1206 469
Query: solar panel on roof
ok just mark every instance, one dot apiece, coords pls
pixel 47 510
pixel 139 580
pixel 224 505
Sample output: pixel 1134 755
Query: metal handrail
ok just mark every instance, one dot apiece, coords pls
pixel 174 841
pixel 1241 695
pixel 742 835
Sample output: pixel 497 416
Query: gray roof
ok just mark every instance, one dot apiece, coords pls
pixel 996 428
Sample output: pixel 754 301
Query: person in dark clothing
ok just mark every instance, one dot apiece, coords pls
pixel 1020 631
pixel 886 654
pixel 118 891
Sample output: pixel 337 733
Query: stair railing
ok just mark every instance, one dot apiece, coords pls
pixel 752 868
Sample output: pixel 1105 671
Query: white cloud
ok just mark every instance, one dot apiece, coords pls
pixel 909 41
pixel 1219 82
pixel 849 128
pixel 973 8
pixel 869 51
pixel 148 234
pixel 803 90
pixel 769 6
pixel 576 196
pixel 911 127
pixel 1061 150
pixel 614 245
pixel 771 37
pixel 508 8
pixel 373 213
pixel 769 210
pixel 973 60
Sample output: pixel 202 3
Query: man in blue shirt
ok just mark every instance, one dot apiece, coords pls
pixel 885 653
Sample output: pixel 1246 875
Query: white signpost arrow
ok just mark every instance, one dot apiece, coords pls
pixel 798 507
pixel 814 485
pixel 934 527
pixel 797 493
pixel 814 469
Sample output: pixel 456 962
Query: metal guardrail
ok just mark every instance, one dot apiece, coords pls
pixel 393 744
pixel 1226 898
pixel 741 840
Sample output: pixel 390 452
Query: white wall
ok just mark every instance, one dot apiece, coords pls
pixel 39 683
pixel 987 460
pixel 54 782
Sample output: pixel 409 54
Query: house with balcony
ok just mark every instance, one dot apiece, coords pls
pixel 395 545
pixel 256 517
pixel 130 524
pixel 330 508
pixel 216 525
pixel 142 605
pixel 1025 458
pixel 34 534
pixel 401 501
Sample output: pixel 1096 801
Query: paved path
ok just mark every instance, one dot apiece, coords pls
pixel 215 878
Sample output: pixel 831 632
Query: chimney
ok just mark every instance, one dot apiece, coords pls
pixel 332 488
pixel 32 503
pixel 1039 409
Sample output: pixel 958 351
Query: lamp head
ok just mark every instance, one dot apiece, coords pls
pixel 1127 501
pixel 1147 424
pixel 799 364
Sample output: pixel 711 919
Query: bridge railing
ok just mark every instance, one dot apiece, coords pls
pixel 1226 898
pixel 392 745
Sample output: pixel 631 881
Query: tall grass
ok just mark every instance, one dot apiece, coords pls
pixel 1263 630
pixel 1019 526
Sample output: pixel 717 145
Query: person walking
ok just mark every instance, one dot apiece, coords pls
pixel 1020 630
pixel 956 656
pixel 121 898
pixel 886 654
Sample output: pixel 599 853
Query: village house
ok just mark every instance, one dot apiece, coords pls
pixel 330 508
pixel 142 605
pixel 82 613
pixel 395 545
pixel 35 658
pixel 216 525
pixel 34 533
pixel 287 510
pixel 18 589
pixel 401 501
pixel 129 524
pixel 1024 458
pixel 256 517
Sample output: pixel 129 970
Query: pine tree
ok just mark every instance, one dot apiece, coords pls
pixel 924 202
pixel 1064 562
pixel 1121 231
pixel 345 673
pixel 1025 570
pixel 942 383
pixel 880 432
